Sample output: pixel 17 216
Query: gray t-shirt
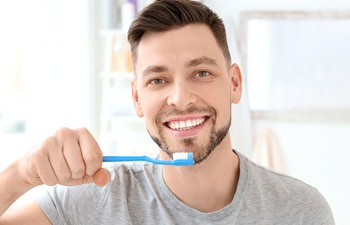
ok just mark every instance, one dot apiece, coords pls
pixel 137 194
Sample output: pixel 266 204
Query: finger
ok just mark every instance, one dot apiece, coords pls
pixel 73 155
pixel 56 158
pixel 71 151
pixel 46 173
pixel 59 164
pixel 43 163
pixel 92 153
pixel 102 177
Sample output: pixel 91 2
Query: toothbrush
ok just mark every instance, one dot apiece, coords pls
pixel 179 159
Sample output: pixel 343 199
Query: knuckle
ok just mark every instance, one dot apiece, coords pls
pixel 78 172
pixel 49 143
pixel 93 157
pixel 64 132
pixel 50 181
pixel 92 165
pixel 83 131
pixel 64 176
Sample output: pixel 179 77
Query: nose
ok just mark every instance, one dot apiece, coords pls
pixel 182 96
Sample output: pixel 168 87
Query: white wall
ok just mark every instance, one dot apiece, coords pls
pixel 316 151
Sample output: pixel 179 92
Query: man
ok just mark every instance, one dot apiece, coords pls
pixel 184 87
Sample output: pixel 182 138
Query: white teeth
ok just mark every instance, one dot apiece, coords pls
pixel 185 124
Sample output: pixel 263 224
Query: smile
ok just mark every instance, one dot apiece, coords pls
pixel 185 124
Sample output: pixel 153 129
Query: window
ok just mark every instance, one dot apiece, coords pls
pixel 297 62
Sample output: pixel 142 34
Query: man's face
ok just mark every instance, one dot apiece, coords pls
pixel 184 89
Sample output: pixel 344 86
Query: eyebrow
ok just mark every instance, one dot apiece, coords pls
pixel 192 63
pixel 154 69
pixel 202 60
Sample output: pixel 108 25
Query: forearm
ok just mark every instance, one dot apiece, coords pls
pixel 12 186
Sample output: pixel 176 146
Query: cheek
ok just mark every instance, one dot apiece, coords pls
pixel 223 109
pixel 151 106
pixel 220 100
pixel 218 94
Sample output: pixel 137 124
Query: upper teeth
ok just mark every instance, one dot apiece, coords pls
pixel 185 124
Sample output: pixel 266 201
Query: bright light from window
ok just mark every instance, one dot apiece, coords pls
pixel 298 65
pixel 43 71
pixel 258 62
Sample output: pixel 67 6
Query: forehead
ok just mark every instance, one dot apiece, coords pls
pixel 177 46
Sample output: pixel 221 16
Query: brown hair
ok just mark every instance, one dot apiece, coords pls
pixel 164 15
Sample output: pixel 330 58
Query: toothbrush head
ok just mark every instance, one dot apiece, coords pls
pixel 183 159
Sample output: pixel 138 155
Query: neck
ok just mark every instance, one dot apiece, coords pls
pixel 210 185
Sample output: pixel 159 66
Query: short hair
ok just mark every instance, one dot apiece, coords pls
pixel 165 15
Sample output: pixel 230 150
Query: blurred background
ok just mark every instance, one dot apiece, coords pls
pixel 67 64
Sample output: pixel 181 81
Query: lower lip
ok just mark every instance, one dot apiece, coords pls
pixel 187 133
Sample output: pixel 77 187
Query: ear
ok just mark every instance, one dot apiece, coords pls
pixel 135 98
pixel 236 81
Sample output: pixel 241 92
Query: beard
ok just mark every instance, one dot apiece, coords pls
pixel 200 151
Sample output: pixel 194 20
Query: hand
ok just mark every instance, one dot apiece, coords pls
pixel 70 157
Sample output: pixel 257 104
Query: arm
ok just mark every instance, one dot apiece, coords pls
pixel 30 213
pixel 70 157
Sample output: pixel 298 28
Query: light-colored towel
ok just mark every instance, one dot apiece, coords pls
pixel 267 151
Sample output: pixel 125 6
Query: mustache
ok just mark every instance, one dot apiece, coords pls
pixel 188 111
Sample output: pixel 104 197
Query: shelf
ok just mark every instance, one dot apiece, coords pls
pixel 310 116
pixel 120 127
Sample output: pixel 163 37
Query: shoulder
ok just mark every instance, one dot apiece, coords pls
pixel 280 184
pixel 275 191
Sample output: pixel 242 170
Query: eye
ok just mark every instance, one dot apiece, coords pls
pixel 156 81
pixel 202 74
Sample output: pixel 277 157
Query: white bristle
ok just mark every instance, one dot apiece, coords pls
pixel 182 155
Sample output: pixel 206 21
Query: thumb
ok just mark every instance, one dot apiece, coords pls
pixel 102 177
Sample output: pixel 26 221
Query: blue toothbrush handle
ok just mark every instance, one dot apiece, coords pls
pixel 124 158
pixel 178 162
pixel 136 158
